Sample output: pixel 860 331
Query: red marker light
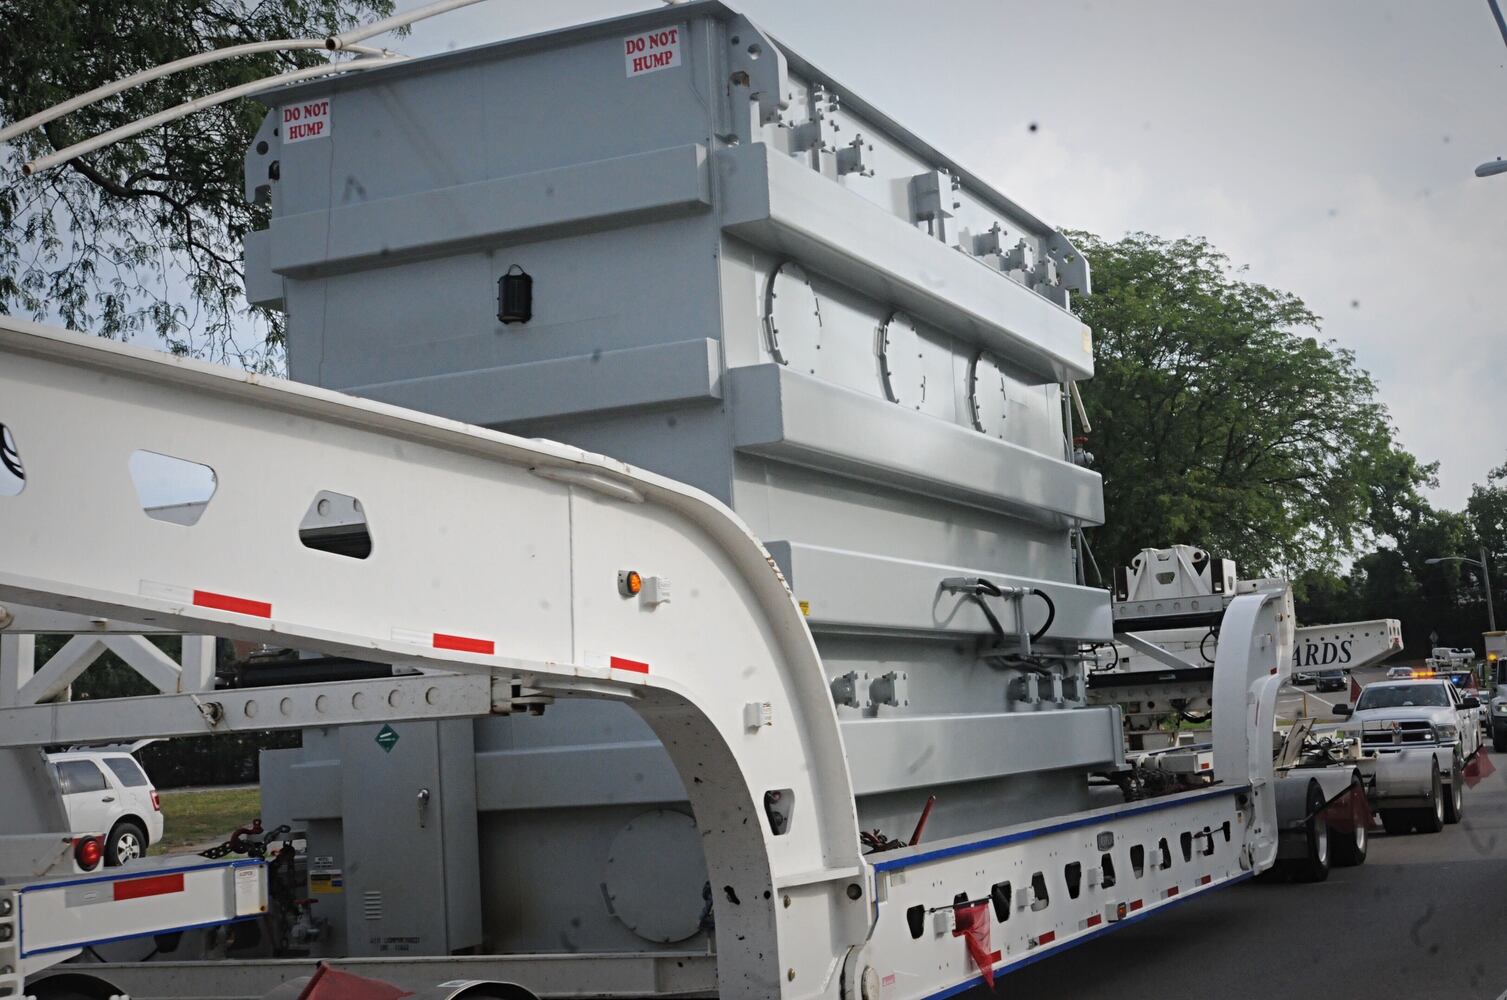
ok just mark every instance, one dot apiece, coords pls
pixel 156 801
pixel 88 852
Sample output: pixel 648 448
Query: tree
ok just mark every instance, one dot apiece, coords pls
pixel 145 235
pixel 1221 420
pixel 1487 511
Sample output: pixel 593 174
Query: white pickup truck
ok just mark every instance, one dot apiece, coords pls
pixel 1396 716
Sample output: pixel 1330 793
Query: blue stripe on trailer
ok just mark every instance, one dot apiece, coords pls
pixel 1015 838
pixel 1048 952
pixel 125 874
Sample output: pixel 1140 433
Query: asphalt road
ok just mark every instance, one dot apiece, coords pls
pixel 1425 916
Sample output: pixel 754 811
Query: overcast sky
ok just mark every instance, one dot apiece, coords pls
pixel 1327 144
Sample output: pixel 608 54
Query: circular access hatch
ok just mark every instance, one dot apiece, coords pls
pixel 987 394
pixel 900 363
pixel 656 875
pixel 793 319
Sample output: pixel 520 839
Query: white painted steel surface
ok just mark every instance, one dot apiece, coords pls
pixel 519 567
pixel 510 552
pixel 167 894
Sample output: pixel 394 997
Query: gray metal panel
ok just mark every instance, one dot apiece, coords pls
pixel 880 593
pixel 397 853
pixel 297 786
pixel 798 504
pixel 777 202
pixel 459 119
pixel 263 288
pixel 682 372
pixel 589 774
pixel 598 293
pixel 565 200
pixel 795 418
pixel 923 752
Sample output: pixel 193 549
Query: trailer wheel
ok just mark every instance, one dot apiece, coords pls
pixel 1454 802
pixel 1351 851
pixel 1397 821
pixel 1431 820
pixel 1314 865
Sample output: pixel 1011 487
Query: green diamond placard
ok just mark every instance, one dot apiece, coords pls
pixel 387 738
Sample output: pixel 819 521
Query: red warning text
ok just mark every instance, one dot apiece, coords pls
pixel 653 50
pixel 310 120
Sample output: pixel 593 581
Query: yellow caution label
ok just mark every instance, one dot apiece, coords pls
pixel 326 883
pixel 806 608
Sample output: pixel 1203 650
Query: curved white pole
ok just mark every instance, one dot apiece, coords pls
pixel 344 40
pixel 197 104
pixel 167 69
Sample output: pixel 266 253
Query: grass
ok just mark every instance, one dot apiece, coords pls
pixel 201 818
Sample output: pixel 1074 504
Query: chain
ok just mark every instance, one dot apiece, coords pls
pixel 240 842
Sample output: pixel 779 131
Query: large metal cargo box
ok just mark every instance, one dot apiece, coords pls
pixel 745 277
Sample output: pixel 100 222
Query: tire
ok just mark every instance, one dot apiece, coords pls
pixel 1351 851
pixel 1499 739
pixel 1454 801
pixel 1314 865
pixel 126 842
pixel 1397 822
pixel 1432 820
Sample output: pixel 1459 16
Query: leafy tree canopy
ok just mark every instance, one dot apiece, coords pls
pixel 1221 419
pixel 143 236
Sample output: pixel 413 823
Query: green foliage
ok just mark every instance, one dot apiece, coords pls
pixel 1221 420
pixel 1487 511
pixel 1395 580
pixel 145 235
pixel 204 817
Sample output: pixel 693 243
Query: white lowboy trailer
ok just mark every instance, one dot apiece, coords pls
pixel 1169 616
pixel 502 617
pixel 851 366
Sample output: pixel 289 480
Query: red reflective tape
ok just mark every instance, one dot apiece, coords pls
pixel 1135 904
pixel 464 644
pixel 1172 892
pixel 224 602
pixel 1206 880
pixel 1093 921
pixel 1204 765
pixel 154 885
pixel 1047 938
pixel 620 663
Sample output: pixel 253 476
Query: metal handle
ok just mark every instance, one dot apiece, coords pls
pixel 423 802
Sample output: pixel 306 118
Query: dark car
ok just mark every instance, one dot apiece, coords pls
pixel 1329 680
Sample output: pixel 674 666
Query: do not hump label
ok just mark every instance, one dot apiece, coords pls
pixel 653 50
pixel 310 120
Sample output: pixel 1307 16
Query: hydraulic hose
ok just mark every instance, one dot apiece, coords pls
pixel 1051 613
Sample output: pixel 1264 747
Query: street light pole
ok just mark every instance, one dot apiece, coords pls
pixel 1491 611
pixel 1491 614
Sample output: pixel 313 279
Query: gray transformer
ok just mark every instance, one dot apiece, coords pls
pixel 744 277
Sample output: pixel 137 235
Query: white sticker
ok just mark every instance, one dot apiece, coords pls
pixel 310 120
pixel 653 50
pixel 250 890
